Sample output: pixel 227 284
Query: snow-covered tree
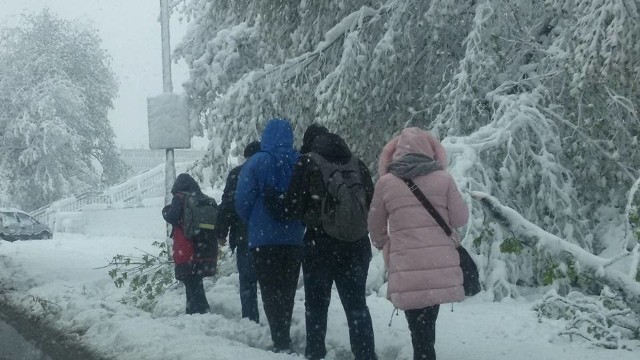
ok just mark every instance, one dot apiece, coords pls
pixel 326 61
pixel 535 101
pixel 56 87
pixel 552 125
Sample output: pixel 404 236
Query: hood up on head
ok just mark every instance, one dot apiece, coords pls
pixel 185 183
pixel 332 147
pixel 411 140
pixel 313 131
pixel 277 134
pixel 277 141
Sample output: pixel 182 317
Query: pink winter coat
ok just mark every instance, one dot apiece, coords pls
pixel 422 261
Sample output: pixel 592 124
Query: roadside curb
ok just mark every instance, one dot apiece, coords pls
pixel 51 340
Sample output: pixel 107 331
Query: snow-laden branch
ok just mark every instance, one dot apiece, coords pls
pixel 535 236
pixel 292 67
pixel 236 93
pixel 603 320
pixel 590 140
pixel 519 130
pixel 627 211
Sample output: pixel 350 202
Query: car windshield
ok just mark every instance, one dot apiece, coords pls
pixel 25 219
pixel 9 219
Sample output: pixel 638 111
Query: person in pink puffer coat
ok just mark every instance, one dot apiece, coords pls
pixel 422 261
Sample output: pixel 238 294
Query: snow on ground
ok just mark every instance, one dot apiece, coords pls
pixel 65 275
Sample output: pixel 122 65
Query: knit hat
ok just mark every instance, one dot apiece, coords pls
pixel 251 149
pixel 312 132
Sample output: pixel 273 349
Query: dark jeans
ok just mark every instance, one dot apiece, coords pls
pixel 422 324
pixel 278 269
pixel 196 298
pixel 248 284
pixel 327 261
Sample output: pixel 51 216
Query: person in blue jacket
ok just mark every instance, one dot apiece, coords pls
pixel 275 243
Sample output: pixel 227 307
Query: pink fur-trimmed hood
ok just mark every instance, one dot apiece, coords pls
pixel 411 140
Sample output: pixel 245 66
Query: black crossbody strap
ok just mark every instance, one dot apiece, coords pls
pixel 427 205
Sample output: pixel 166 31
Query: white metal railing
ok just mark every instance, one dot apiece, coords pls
pixel 126 194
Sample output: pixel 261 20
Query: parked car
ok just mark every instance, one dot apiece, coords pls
pixel 18 225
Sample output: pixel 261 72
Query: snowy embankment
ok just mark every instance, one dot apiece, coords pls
pixel 63 282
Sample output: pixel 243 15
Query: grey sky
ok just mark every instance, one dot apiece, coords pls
pixel 131 34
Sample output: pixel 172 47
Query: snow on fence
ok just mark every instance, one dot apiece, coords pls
pixel 130 193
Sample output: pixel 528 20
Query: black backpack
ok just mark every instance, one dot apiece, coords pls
pixel 199 215
pixel 343 213
pixel 198 223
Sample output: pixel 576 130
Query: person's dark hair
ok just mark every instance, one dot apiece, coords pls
pixel 312 132
pixel 251 149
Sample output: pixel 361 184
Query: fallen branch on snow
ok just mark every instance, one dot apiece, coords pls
pixel 533 235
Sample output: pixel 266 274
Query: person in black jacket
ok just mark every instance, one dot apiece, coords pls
pixel 229 223
pixel 191 263
pixel 327 260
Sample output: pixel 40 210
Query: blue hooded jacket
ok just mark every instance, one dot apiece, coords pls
pixel 273 167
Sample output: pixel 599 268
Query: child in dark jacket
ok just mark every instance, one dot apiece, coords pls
pixel 192 263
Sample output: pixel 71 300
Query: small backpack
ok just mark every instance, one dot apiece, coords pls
pixel 343 213
pixel 199 215
pixel 198 222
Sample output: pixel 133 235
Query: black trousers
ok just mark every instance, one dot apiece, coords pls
pixel 422 324
pixel 248 284
pixel 196 299
pixel 278 269
pixel 326 261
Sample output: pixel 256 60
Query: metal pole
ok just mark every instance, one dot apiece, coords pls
pixel 167 87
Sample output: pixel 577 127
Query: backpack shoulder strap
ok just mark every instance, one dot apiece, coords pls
pixel 354 165
pixel 316 158
pixel 328 168
pixel 325 166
